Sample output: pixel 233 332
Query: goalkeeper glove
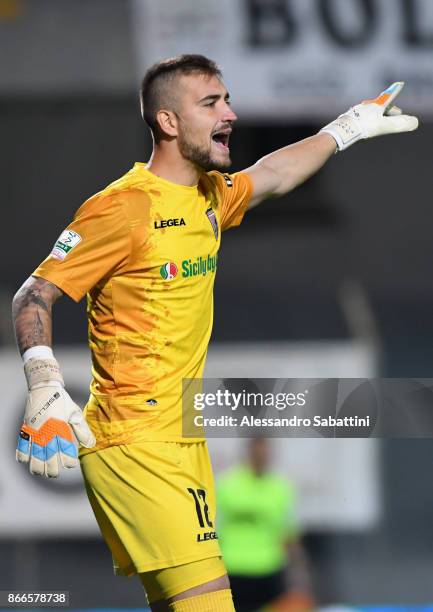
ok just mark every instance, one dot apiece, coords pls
pixel 371 118
pixel 45 440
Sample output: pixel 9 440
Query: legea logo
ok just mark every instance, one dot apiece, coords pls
pixel 168 271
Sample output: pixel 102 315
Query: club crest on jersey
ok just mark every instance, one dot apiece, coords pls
pixel 228 180
pixel 67 241
pixel 168 271
pixel 213 220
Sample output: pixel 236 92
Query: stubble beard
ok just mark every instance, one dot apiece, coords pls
pixel 201 156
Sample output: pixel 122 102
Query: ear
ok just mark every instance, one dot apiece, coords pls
pixel 168 122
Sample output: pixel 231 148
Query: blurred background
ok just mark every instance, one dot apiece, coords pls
pixel 333 280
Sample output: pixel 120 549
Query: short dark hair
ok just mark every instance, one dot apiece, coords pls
pixel 153 91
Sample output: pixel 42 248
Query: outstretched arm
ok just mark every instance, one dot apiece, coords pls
pixel 285 169
pixel 31 311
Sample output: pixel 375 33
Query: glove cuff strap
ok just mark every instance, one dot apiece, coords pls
pixel 344 130
pixel 42 370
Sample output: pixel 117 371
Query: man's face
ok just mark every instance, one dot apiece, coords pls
pixel 204 121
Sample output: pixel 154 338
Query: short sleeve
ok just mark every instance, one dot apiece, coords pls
pixel 235 191
pixel 95 245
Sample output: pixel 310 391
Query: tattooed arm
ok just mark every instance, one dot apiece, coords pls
pixel 46 441
pixel 31 311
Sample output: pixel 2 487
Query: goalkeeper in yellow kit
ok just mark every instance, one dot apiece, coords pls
pixel 144 251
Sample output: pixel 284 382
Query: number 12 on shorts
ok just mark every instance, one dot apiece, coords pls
pixel 202 509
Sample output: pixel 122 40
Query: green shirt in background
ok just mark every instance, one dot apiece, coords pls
pixel 256 517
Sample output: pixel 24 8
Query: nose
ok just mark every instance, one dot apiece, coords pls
pixel 229 115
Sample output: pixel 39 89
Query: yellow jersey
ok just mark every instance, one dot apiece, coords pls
pixel 144 250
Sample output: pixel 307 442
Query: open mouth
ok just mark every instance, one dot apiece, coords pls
pixel 221 139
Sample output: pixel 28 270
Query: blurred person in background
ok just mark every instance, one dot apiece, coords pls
pixel 259 535
pixel 144 251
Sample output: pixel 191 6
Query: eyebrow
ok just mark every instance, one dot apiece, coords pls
pixel 215 97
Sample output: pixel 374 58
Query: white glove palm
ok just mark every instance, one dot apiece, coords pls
pixel 371 118
pixel 46 440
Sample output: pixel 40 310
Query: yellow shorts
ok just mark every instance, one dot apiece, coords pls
pixel 154 503
pixel 165 583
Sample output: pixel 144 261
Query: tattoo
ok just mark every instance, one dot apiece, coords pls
pixel 32 296
pixel 31 311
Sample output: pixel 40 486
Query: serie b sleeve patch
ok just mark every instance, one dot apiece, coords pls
pixel 67 241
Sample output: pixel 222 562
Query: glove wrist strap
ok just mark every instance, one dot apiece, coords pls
pixel 345 131
pixel 40 351
pixel 42 371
